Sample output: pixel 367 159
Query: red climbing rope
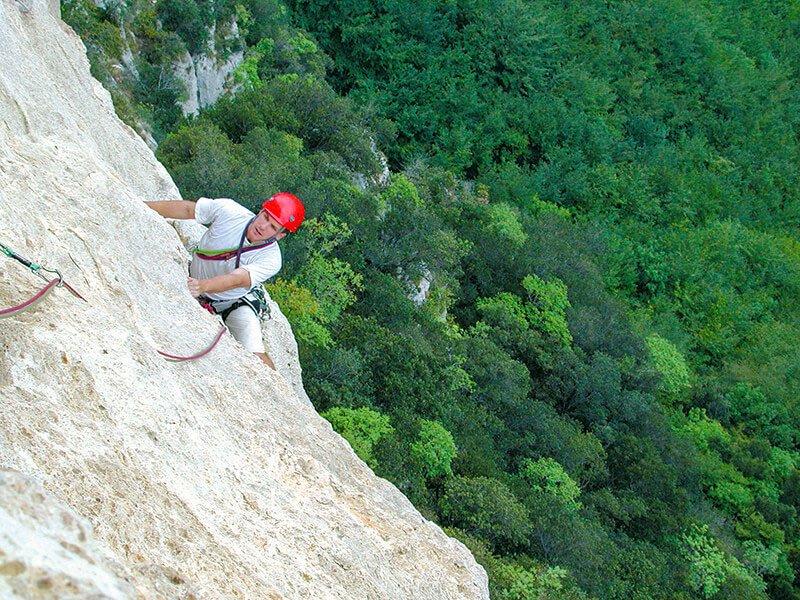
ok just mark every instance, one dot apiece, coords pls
pixel 36 269
pixel 72 290
pixel 15 310
pixel 174 358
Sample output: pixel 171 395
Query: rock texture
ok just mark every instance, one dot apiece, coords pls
pixel 209 479
pixel 212 76
pixel 184 70
pixel 47 550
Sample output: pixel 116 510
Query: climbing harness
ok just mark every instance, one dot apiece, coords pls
pixel 254 298
pixel 229 254
pixel 36 269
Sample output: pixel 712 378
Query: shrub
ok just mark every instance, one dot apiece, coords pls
pixel 676 377
pixel 333 283
pixel 710 569
pixel 548 476
pixel 200 159
pixel 547 307
pixel 707 568
pixel 98 33
pixel 302 311
pixel 705 431
pixel 187 18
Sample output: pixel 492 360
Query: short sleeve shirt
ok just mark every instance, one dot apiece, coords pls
pixel 226 221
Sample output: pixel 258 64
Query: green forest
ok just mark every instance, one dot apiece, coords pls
pixel 565 323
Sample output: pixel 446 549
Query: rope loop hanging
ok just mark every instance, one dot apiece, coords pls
pixel 29 303
pixel 201 354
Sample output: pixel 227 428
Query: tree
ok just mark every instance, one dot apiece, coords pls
pixel 549 477
pixel 546 308
pixel 502 384
pixel 434 449
pixel 201 159
pixel 303 312
pixel 361 427
pixel 548 434
pixel 189 19
pixel 709 567
pixel 504 320
pixel 486 508
pixel 335 376
pixel 676 377
pixel 521 579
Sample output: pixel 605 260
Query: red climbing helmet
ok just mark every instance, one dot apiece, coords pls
pixel 287 209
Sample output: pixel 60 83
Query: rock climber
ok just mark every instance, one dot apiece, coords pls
pixel 237 253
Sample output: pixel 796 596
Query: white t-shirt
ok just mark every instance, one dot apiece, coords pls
pixel 226 221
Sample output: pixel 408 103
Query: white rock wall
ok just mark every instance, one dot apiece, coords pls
pixel 184 70
pixel 48 551
pixel 211 479
pixel 212 76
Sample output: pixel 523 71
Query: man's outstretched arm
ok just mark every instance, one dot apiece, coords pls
pixel 173 209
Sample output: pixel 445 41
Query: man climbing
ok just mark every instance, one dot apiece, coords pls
pixel 237 253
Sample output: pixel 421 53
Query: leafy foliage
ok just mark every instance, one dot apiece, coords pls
pixel 676 377
pixel 602 201
pixel 434 448
pixel 361 427
pixel 303 310
pixel 487 508
pixel 548 476
pixel 709 568
pixel 189 19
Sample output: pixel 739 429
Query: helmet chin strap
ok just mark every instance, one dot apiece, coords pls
pixel 274 238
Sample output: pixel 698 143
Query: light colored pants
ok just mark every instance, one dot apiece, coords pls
pixel 245 327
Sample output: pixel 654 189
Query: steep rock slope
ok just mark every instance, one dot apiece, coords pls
pixel 210 479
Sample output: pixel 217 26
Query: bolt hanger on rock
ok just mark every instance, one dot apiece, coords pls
pixel 36 269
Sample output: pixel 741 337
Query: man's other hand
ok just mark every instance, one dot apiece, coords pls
pixel 195 286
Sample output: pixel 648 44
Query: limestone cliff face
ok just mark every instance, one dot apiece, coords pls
pixel 205 76
pixel 139 477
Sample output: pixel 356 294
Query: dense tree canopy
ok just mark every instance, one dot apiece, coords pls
pixel 566 323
